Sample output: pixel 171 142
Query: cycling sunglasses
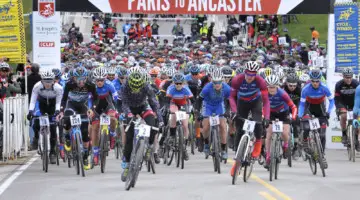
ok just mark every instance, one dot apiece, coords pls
pixel 315 81
pixel 178 83
pixel 217 82
pixel 292 85
pixel 48 81
pixel 100 80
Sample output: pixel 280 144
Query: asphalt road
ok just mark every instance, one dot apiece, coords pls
pixel 196 182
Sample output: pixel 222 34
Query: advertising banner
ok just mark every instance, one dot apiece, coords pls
pixel 46 35
pixel 346 36
pixel 231 7
pixel 12 33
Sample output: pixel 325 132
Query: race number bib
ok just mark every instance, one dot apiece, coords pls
pixel 104 120
pixel 277 126
pixel 180 115
pixel 314 124
pixel 75 120
pixel 44 121
pixel 249 126
pixel 250 19
pixel 214 121
pixel 350 115
pixel 144 130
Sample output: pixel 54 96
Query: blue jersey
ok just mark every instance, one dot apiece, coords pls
pixel 117 86
pixel 106 90
pixel 214 98
pixel 356 109
pixel 280 102
pixel 315 96
pixel 179 97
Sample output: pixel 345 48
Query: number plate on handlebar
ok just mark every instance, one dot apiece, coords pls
pixel 104 120
pixel 277 126
pixel 144 130
pixel 314 124
pixel 249 126
pixel 214 121
pixel 350 115
pixel 180 115
pixel 44 121
pixel 75 120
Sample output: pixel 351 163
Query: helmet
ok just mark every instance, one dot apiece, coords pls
pixel 272 80
pixel 100 73
pixel 112 62
pixel 154 71
pixel 268 71
pixel 347 72
pixel 136 79
pixel 47 75
pixel 147 78
pixel 163 70
pixel 118 58
pixel 210 70
pixel 280 74
pixel 227 71
pixel 304 77
pixel 171 72
pixel 217 75
pixel 252 66
pixel 122 71
pixel 239 70
pixel 4 65
pixel 194 69
pixel 111 71
pixel 315 74
pixel 261 72
pixel 292 78
pixel 57 72
pixel 178 78
pixel 80 72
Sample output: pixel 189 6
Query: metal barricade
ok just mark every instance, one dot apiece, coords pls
pixel 15 130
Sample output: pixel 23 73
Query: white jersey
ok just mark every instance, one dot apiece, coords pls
pixel 40 93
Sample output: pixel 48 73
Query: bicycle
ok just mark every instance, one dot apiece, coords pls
pixel 351 137
pixel 76 142
pixel 118 139
pixel 44 140
pixel 243 156
pixel 214 121
pixel 104 140
pixel 141 135
pixel 179 139
pixel 192 138
pixel 275 149
pixel 315 152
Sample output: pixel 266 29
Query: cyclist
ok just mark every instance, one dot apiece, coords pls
pixel 138 99
pixel 344 98
pixel 312 102
pixel 251 93
pixel 280 103
pixel 213 95
pixel 356 112
pixel 179 94
pixel 111 71
pixel 57 73
pixel 121 79
pixel 104 103
pixel 46 98
pixel 78 98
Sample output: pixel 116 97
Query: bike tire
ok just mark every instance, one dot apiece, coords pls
pixel 57 153
pixel 80 154
pixel 278 158
pixel 103 149
pixel 138 160
pixel 45 153
pixel 247 171
pixel 320 154
pixel 312 161
pixel 272 157
pixel 192 137
pixel 216 147
pixel 181 148
pixel 68 159
pixel 289 152
pixel 152 164
pixel 352 143
pixel 240 154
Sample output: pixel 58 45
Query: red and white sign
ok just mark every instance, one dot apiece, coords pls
pixel 46 8
pixel 197 6
pixel 46 44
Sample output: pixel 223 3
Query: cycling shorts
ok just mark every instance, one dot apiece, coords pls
pixel 208 110
pixel 281 116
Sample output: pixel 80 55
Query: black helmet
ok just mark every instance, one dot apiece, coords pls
pixel 292 78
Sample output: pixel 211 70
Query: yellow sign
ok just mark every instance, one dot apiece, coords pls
pixel 12 33
pixel 346 14
pixel 336 139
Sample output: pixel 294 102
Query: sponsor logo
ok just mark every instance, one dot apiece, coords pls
pixel 46 8
pixel 46 44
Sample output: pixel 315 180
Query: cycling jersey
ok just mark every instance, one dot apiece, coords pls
pixel 204 80
pixel 44 96
pixel 194 84
pixel 294 95
pixel 106 90
pixel 73 92
pixel 356 108
pixel 214 100
pixel 281 102
pixel 316 97
pixel 249 92
pixel 345 94
pixel 179 97
pixel 117 86
pixel 140 99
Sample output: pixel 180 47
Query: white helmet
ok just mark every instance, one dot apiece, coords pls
pixel 111 70
pixel 171 72
pixel 252 66
pixel 217 75
pixel 100 73
pixel 281 74
pixel 47 74
pixel 304 77
pixel 272 80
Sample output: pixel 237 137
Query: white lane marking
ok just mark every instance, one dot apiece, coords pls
pixel 16 174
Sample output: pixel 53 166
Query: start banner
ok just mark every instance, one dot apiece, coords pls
pixel 12 33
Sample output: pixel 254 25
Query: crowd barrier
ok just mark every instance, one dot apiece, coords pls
pixel 15 130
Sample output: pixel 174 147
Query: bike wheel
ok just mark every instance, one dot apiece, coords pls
pixel 278 158
pixel 57 153
pixel 289 151
pixel 216 149
pixel 192 137
pixel 272 157
pixel 152 163
pixel 181 148
pixel 68 155
pixel 80 154
pixel 320 154
pixel 138 160
pixel 248 168
pixel 352 143
pixel 239 157
pixel 103 149
pixel 45 153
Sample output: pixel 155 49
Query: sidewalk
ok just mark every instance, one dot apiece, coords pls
pixel 6 168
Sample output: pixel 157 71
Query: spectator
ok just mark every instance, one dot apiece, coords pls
pixel 4 71
pixel 72 28
pixel 110 33
pixel 33 78
pixel 232 20
pixel 210 32
pixel 304 54
pixel 261 23
pixel 96 29
pixel 79 35
pixel 178 30
pixel 195 29
pixel 148 31
pixel 125 29
pixel 315 36
pixel 12 87
pixel 132 32
pixel 155 27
